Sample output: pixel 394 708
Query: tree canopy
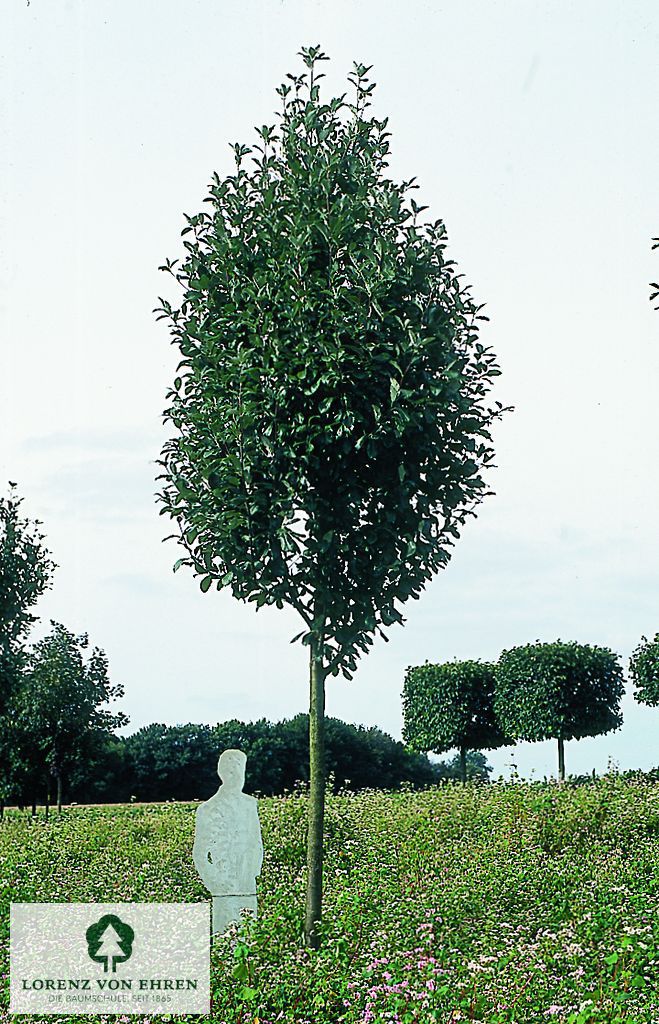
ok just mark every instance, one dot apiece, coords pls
pixel 450 705
pixel 64 700
pixel 25 573
pixel 330 414
pixel 644 670
pixel 559 691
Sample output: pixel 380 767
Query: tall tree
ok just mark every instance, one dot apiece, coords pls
pixel 644 670
pixel 451 705
pixel 560 691
pixel 330 411
pixel 65 700
pixel 25 573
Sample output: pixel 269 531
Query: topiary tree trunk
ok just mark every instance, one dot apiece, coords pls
pixel 561 760
pixel 317 674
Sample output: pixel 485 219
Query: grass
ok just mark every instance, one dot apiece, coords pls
pixel 509 902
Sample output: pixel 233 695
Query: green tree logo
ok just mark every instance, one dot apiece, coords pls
pixel 110 942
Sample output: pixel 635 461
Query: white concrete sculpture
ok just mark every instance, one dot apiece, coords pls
pixel 228 850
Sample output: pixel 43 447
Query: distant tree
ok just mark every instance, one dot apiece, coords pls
pixel 264 745
pixel 478 768
pixel 179 762
pixel 644 670
pixel 103 776
pixel 330 414
pixel 560 691
pixel 451 705
pixel 64 701
pixel 25 573
pixel 29 774
pixel 357 757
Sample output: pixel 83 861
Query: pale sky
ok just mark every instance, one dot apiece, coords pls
pixel 532 130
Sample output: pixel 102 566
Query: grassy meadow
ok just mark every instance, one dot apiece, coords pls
pixel 509 902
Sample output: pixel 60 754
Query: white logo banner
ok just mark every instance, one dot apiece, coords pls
pixel 109 958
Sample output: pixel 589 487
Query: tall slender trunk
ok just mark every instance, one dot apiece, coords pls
pixel 59 793
pixel 2 809
pixel 316 792
pixel 34 808
pixel 47 806
pixel 463 764
pixel 561 760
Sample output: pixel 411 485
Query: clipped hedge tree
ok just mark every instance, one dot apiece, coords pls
pixel 330 417
pixel 644 670
pixel 451 705
pixel 560 691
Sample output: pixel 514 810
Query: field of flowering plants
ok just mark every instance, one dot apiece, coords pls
pixel 508 902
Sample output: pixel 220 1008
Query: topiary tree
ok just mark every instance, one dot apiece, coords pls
pixel 451 705
pixel 330 410
pixel 560 691
pixel 644 670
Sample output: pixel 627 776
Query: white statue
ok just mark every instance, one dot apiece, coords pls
pixel 228 851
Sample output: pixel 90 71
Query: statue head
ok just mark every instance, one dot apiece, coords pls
pixel 231 769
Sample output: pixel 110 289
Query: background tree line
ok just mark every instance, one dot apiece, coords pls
pixel 179 762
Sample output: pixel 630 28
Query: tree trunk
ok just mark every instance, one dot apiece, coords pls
pixel 2 809
pixel 34 808
pixel 316 793
pixel 463 764
pixel 59 793
pixel 561 760
pixel 47 806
